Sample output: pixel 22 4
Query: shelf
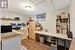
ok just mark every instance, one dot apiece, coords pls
pixel 63 19
pixel 6 19
pixel 62 23
pixel 15 19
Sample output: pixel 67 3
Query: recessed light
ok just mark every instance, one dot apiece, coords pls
pixel 28 7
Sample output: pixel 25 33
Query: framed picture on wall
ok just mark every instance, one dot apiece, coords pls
pixel 41 17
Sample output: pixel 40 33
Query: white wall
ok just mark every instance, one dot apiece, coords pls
pixel 72 17
pixel 50 22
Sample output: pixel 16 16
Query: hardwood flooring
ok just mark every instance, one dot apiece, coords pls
pixel 72 47
pixel 33 45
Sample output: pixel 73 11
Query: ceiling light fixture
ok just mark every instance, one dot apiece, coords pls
pixel 28 7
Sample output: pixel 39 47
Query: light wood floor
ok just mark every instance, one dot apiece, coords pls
pixel 33 45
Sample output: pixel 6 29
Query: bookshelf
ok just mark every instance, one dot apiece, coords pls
pixel 63 23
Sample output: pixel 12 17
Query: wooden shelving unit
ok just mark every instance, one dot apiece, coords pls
pixel 63 23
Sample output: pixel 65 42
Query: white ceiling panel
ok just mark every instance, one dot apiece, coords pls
pixel 39 6
pixel 38 1
pixel 46 6
pixel 61 3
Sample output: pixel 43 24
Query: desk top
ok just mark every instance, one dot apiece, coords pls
pixel 62 36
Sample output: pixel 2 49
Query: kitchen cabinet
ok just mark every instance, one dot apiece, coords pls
pixel 0 45
pixel 12 42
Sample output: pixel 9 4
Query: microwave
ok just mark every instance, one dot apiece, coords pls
pixel 6 28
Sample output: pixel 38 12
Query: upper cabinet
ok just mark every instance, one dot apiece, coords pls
pixel 7 21
pixel 15 19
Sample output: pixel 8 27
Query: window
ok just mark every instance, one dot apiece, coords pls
pixel 41 17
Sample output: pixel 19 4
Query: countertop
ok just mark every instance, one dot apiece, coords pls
pixel 8 35
pixel 11 34
pixel 62 36
pixel 23 32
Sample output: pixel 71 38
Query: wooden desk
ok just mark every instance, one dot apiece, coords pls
pixel 56 35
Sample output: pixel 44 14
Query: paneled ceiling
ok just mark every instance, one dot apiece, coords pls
pixel 39 6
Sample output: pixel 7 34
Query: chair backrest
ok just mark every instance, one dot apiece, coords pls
pixel 72 47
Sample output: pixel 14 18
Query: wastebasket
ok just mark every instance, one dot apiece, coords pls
pixel 41 39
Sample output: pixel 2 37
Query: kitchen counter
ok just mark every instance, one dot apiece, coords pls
pixel 62 36
pixel 11 34
pixel 20 31
pixel 8 35
pixel 10 40
pixel 23 32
